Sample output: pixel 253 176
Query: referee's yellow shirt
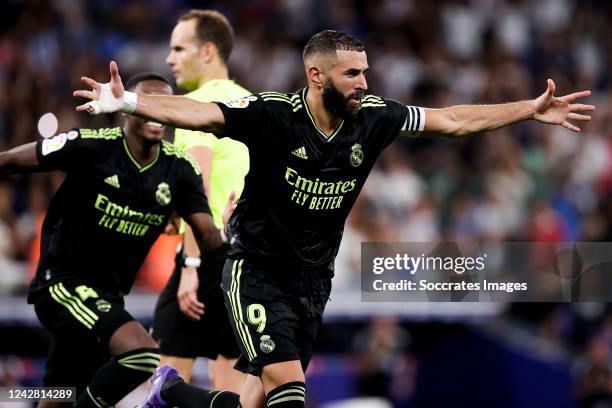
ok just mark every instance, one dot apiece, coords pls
pixel 230 160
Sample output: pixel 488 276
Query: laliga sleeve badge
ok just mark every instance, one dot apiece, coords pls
pixel 266 344
pixel 240 103
pixel 163 195
pixel 53 144
pixel 356 156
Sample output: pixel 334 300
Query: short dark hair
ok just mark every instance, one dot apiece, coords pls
pixel 214 27
pixel 145 76
pixel 330 41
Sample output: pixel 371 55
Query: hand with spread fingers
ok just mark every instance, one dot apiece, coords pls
pixel 554 110
pixel 105 98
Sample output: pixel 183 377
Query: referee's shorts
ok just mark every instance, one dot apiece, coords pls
pixel 210 336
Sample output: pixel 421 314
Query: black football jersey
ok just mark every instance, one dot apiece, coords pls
pixel 301 184
pixel 109 210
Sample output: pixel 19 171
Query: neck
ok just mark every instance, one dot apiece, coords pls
pixel 144 151
pixel 325 121
pixel 213 71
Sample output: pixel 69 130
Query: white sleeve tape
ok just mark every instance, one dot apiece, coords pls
pixel 130 100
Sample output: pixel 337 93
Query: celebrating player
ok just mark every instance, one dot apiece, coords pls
pixel 190 307
pixel 120 189
pixel 311 152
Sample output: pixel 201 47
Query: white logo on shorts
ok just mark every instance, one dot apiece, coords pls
pixel 266 345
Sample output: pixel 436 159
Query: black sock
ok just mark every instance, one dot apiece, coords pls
pixel 115 379
pixel 178 393
pixel 290 395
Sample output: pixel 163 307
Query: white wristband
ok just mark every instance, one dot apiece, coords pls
pixel 130 100
pixel 192 262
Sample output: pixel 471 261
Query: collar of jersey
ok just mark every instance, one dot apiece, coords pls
pixel 322 134
pixel 213 82
pixel 140 168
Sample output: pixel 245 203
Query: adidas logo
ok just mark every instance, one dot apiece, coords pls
pixel 301 153
pixel 113 181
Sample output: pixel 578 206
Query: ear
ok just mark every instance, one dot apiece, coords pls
pixel 207 52
pixel 316 77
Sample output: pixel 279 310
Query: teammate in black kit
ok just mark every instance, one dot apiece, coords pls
pixel 310 155
pixel 121 186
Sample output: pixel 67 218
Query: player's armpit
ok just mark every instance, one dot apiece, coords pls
pixel 19 159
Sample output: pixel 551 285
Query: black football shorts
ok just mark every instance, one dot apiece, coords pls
pixel 82 320
pixel 274 315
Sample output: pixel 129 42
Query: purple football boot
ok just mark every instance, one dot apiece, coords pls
pixel 160 377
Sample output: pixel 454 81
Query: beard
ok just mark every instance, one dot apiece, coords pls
pixel 337 104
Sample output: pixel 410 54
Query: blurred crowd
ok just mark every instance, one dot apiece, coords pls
pixel 529 182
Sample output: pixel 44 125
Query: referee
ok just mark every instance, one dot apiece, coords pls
pixel 311 152
pixel 191 307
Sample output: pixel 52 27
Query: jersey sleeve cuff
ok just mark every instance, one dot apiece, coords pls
pixel 415 121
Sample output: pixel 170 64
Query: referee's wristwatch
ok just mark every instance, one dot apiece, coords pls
pixel 191 262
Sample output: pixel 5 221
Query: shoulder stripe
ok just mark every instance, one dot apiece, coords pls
pixel 104 133
pixel 372 98
pixel 275 94
pixel 172 150
pixel 295 100
pixel 373 105
pixel 272 93
pixel 276 98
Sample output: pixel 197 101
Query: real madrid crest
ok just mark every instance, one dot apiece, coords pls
pixel 163 195
pixel 266 344
pixel 356 156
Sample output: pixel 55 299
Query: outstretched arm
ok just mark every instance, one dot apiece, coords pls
pixel 20 159
pixel 177 111
pixel 466 119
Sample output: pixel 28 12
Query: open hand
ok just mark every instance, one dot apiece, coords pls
pixel 559 110
pixel 105 98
